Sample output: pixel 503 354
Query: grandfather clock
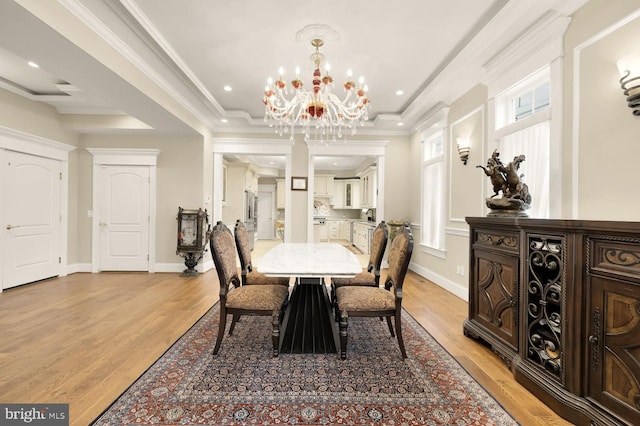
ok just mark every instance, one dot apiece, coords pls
pixel 193 234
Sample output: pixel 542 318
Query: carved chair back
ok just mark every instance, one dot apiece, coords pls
pixel 244 249
pixel 223 252
pixel 399 258
pixel 378 247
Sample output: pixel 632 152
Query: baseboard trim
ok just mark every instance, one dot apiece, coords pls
pixel 451 286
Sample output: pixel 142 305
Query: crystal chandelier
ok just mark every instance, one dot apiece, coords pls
pixel 319 108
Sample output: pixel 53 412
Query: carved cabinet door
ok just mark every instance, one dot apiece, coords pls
pixel 614 346
pixel 496 292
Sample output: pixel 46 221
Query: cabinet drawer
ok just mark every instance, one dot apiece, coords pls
pixel 619 257
pixel 503 241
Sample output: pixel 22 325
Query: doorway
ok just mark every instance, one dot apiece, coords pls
pixel 31 209
pixel 124 209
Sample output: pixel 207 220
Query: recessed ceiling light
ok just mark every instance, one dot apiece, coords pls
pixel 33 64
pixel 399 92
pixel 400 124
pixel 227 88
pixel 224 120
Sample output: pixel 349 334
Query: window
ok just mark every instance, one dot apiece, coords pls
pixel 523 127
pixel 433 191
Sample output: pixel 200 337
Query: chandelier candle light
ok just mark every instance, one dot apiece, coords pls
pixel 330 115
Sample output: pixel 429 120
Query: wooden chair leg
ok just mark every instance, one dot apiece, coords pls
pixel 221 328
pixel 399 332
pixel 390 327
pixel 275 333
pixel 234 320
pixel 343 324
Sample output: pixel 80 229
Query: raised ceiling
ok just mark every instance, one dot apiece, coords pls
pixel 161 66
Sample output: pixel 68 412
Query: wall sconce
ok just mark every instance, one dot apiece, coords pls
pixel 629 68
pixel 463 149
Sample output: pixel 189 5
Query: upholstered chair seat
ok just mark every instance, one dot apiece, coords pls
pixel 263 298
pixel 255 277
pixel 364 278
pixel 364 298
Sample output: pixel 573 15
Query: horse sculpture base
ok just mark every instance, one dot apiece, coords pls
pixel 507 207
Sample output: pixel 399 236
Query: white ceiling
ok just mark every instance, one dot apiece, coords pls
pixel 432 50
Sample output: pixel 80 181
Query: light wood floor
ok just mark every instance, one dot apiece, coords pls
pixel 84 338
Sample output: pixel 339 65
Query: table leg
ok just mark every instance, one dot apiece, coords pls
pixel 308 322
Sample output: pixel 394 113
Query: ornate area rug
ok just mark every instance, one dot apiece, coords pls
pixel 244 385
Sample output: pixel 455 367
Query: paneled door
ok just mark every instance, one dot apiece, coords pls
pixel 32 215
pixel 124 218
pixel 266 224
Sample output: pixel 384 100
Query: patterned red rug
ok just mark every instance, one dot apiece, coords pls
pixel 244 385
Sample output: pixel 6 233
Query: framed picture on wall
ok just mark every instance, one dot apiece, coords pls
pixel 298 183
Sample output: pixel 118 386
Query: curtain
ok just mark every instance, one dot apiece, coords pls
pixel 432 198
pixel 534 143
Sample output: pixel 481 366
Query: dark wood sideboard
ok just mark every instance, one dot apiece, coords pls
pixel 559 302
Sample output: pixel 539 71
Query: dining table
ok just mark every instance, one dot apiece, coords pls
pixel 309 323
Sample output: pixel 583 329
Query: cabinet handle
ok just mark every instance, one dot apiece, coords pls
pixel 593 339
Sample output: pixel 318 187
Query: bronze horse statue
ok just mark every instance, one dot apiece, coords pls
pixel 510 171
pixel 493 170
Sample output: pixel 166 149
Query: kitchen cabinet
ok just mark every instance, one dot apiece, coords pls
pixel 251 179
pixel 352 194
pixel 334 229
pixel 346 194
pixel 345 230
pixel 280 195
pixel 337 200
pixel 320 232
pixel 362 236
pixel 369 188
pixel 323 185
pixel 558 301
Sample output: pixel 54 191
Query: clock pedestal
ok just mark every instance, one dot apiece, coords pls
pixel 193 234
pixel 190 261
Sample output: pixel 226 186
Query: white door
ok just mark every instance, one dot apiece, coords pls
pixel 32 215
pixel 266 225
pixel 124 218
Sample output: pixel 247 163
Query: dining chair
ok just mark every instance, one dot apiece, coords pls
pixel 237 299
pixel 366 301
pixel 249 275
pixel 371 275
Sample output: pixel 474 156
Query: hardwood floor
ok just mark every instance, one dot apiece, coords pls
pixel 84 338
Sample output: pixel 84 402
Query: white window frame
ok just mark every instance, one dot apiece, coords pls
pixel 505 113
pixel 438 205
pixel 540 47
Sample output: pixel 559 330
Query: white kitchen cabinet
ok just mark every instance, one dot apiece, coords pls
pixel 369 187
pixel 352 194
pixel 323 185
pixel 320 232
pixel 280 193
pixel 345 230
pixel 337 200
pixel 361 237
pixel 250 180
pixel 334 229
pixel 346 194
